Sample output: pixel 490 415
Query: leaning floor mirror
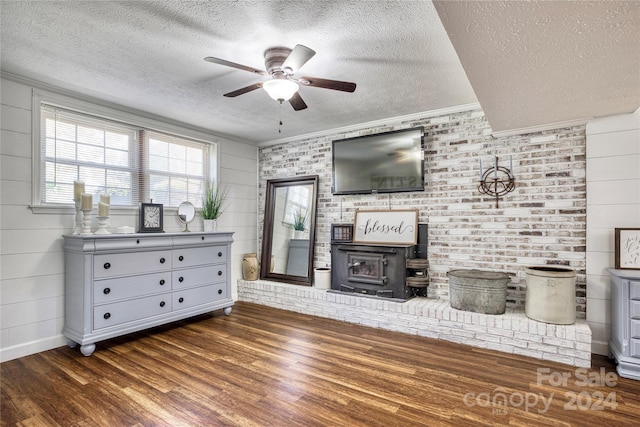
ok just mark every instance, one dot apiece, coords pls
pixel 289 230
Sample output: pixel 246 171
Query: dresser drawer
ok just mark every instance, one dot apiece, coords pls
pixel 634 309
pixel 199 256
pixel 190 277
pixel 110 290
pixel 117 313
pixel 137 242
pixel 635 329
pixel 113 265
pixel 193 239
pixel 634 290
pixel 634 348
pixel 202 295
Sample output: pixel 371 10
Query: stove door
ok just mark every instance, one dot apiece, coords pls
pixel 367 268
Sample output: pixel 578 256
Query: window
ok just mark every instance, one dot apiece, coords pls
pixel 297 205
pixel 128 162
pixel 175 169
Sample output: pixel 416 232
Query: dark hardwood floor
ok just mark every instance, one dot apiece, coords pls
pixel 266 367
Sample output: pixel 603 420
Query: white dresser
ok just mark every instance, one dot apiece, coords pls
pixel 625 321
pixel 116 284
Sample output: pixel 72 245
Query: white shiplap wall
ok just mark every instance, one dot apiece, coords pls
pixel 31 255
pixel 613 201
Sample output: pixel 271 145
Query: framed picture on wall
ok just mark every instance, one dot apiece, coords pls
pixel 390 227
pixel 627 248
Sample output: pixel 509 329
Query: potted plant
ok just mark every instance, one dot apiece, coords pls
pixel 300 219
pixel 212 205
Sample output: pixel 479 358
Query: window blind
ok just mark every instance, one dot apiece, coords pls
pixel 101 153
pixel 127 162
pixel 175 169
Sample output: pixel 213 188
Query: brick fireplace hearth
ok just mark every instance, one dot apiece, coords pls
pixel 511 332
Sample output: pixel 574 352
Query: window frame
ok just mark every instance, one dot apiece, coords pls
pixel 103 110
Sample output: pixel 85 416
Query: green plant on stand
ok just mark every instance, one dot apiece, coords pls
pixel 300 219
pixel 213 205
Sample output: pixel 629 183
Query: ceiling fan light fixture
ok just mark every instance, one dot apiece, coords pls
pixel 280 89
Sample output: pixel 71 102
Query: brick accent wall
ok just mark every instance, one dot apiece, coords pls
pixel 542 222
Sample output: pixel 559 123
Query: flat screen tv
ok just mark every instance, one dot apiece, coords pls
pixel 387 162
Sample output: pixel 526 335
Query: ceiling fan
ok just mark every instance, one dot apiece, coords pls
pixel 281 64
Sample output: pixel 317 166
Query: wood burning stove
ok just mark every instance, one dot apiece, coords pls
pixel 375 270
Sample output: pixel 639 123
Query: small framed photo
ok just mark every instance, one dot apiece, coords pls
pixel 341 233
pixel 627 248
pixel 151 218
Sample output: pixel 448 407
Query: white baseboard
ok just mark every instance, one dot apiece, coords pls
pixel 600 347
pixel 32 347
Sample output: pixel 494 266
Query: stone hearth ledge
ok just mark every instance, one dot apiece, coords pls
pixel 511 332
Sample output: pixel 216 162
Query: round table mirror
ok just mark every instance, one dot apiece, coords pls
pixel 186 214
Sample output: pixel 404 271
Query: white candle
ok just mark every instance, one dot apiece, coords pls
pixel 78 189
pixel 480 169
pixel 87 202
pixel 495 168
pixel 104 198
pixel 103 209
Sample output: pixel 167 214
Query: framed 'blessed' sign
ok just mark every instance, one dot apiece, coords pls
pixel 393 227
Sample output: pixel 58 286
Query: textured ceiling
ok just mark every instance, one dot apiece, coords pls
pixel 535 63
pixel 148 55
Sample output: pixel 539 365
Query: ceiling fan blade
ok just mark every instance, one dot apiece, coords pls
pixel 327 84
pixel 243 90
pixel 297 58
pixel 234 65
pixel 297 103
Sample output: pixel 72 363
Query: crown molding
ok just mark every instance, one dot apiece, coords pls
pixel 200 132
pixel 541 128
pixel 375 123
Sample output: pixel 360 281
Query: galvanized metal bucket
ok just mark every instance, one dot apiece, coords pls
pixel 478 291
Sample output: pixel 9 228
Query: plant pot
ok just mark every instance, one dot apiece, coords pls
pixel 298 234
pixel 210 225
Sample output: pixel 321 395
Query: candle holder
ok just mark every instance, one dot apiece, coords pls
pixel 86 221
pixel 497 182
pixel 78 228
pixel 103 225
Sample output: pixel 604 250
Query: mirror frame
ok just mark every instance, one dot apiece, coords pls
pixel 186 221
pixel 267 237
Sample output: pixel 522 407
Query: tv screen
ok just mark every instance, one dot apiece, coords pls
pixel 383 163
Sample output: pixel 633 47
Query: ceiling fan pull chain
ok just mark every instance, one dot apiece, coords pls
pixel 280 118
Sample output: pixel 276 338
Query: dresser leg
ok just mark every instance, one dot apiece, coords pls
pixel 227 310
pixel 87 349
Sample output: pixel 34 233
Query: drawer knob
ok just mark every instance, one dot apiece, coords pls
pixel 161 260
pixel 219 253
pixel 161 303
pixel 137 241
pixel 219 291
pixel 219 272
pixel 202 237
pixel 180 279
pixel 107 291
pixel 107 265
pixel 180 258
pixel 181 299
pixel 162 282
pixel 107 315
